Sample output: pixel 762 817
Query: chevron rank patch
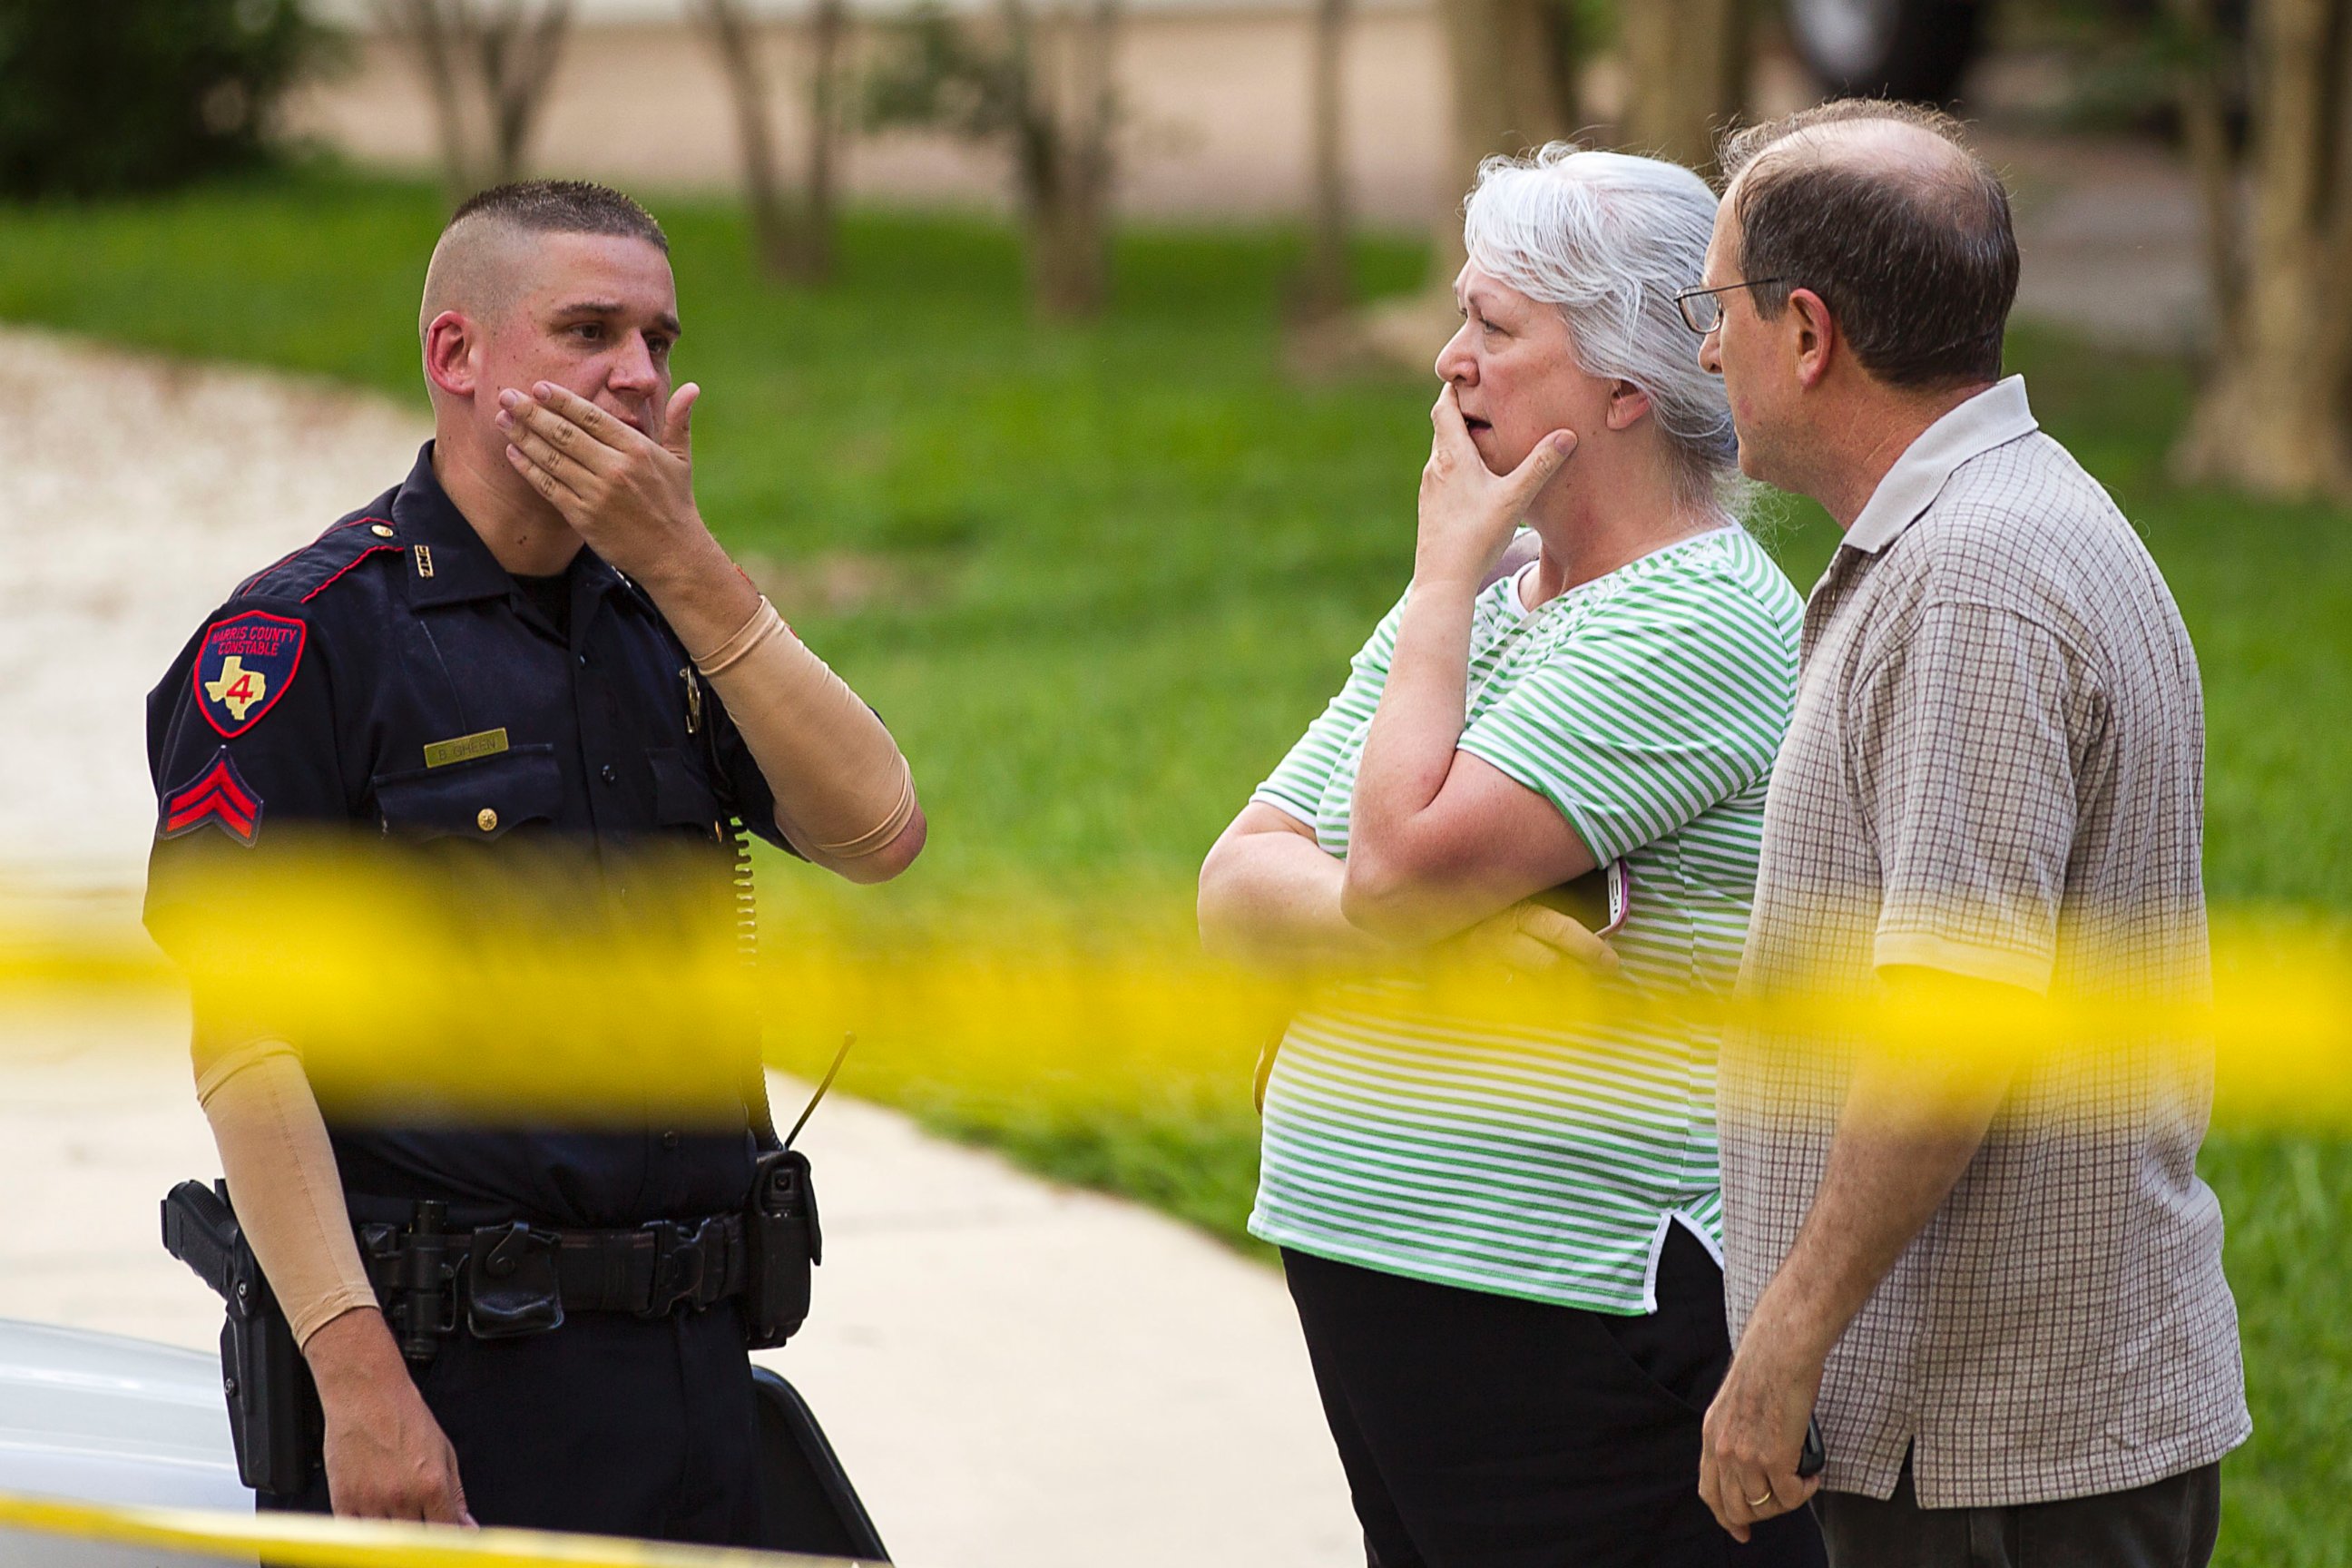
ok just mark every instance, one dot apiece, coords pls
pixel 245 665
pixel 217 795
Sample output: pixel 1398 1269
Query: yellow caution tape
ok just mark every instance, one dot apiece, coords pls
pixel 296 1541
pixel 404 1006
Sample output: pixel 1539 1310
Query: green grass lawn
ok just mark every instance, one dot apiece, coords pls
pixel 1098 578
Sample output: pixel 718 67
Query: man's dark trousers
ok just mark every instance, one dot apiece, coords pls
pixel 2169 1523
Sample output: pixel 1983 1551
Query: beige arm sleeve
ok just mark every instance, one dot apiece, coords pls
pixel 842 788
pixel 283 1182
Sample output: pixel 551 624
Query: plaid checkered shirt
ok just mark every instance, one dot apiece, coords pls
pixel 1996 771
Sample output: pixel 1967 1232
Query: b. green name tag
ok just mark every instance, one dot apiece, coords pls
pixel 465 748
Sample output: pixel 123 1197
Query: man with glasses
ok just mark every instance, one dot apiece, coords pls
pixel 1992 1268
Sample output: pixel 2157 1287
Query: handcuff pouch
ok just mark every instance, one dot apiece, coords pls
pixel 512 1287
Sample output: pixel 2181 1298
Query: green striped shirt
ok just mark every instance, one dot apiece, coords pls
pixel 1547 1163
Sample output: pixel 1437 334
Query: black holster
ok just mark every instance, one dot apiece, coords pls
pixel 779 1224
pixel 274 1418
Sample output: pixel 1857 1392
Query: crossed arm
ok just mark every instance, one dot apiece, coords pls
pixel 1272 896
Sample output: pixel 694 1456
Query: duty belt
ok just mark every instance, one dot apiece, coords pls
pixel 515 1279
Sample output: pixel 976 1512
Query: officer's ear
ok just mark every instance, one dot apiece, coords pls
pixel 449 342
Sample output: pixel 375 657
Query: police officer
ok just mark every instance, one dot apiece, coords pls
pixel 533 641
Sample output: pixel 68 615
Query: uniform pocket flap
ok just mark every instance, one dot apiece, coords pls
pixel 680 799
pixel 486 798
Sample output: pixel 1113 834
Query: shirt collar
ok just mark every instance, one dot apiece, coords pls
pixel 448 562
pixel 1993 417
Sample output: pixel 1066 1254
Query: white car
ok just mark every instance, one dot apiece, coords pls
pixel 101 1418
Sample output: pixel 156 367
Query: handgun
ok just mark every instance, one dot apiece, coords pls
pixel 274 1419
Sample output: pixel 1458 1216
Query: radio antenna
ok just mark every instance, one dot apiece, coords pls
pixel 824 1083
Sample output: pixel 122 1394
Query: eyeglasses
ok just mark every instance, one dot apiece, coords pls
pixel 1702 309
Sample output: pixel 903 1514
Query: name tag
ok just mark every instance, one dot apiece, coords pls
pixel 465 748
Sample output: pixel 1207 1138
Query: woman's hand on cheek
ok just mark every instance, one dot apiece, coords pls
pixel 1467 512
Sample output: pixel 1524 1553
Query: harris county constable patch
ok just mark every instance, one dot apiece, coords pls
pixel 217 795
pixel 245 665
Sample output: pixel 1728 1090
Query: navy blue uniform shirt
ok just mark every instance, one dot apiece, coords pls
pixel 308 702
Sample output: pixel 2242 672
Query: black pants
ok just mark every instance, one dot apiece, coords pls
pixel 2170 1523
pixel 1481 1431
pixel 610 1424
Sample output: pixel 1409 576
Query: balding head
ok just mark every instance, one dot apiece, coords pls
pixel 1900 140
pixel 483 263
pixel 1881 210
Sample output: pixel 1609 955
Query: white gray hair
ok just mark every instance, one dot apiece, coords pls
pixel 1611 238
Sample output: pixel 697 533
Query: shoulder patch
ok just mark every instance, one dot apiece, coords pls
pixel 244 664
pixel 217 795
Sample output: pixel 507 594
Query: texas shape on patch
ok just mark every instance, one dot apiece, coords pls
pixel 245 665
pixel 217 795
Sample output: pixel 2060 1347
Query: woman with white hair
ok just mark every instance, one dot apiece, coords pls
pixel 1502 1235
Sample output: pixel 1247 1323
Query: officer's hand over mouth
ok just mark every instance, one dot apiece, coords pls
pixel 628 492
pixel 386 1457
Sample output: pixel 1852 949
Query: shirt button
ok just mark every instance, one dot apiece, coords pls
pixel 487 820
pixel 584 661
pixel 608 773
pixel 669 1139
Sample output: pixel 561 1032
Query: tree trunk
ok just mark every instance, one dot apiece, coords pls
pixel 1512 70
pixel 2205 137
pixel 1685 76
pixel 426 27
pixel 488 75
pixel 1063 155
pixel 1324 289
pixel 773 244
pixel 828 27
pixel 2274 417
pixel 1068 245
pixel 518 51
pixel 792 239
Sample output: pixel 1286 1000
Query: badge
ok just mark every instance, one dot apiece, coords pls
pixel 245 665
pixel 216 794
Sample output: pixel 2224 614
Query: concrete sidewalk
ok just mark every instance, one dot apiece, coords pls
pixel 1013 1373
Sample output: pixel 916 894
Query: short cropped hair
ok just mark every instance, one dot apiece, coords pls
pixel 1917 261
pixel 1610 240
pixel 563 206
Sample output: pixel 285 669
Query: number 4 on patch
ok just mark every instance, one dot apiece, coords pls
pixel 236 687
